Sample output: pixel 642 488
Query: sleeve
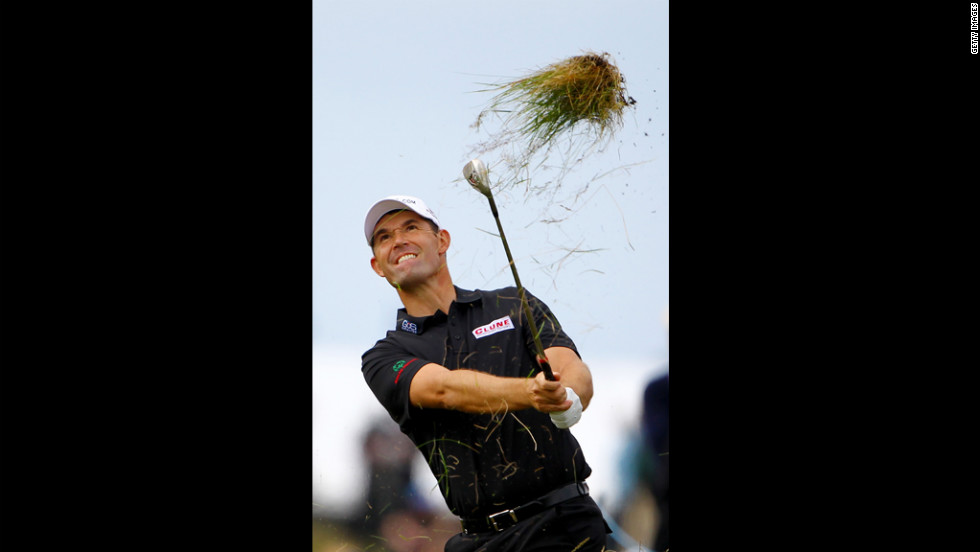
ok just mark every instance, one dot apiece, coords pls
pixel 388 371
pixel 549 329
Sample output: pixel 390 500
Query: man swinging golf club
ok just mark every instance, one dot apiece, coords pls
pixel 460 376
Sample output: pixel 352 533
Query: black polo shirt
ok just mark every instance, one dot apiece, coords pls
pixel 484 463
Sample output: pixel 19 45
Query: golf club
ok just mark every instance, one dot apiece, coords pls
pixel 476 173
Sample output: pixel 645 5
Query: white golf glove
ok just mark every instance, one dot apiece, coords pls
pixel 570 417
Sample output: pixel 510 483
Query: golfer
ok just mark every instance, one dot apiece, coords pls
pixel 460 377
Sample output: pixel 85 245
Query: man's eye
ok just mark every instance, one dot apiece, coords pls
pixel 411 227
pixel 381 238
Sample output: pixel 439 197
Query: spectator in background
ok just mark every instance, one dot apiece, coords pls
pixel 389 456
pixel 395 517
pixel 656 439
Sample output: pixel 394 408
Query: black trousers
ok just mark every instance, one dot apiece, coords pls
pixel 575 524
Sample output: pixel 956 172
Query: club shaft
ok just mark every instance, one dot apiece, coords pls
pixel 539 349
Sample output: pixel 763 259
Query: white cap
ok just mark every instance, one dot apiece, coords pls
pixel 394 203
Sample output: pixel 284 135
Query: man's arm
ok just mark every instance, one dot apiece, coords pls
pixel 562 359
pixel 435 386
pixel 570 371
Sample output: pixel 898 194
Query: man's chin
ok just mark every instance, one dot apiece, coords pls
pixel 404 284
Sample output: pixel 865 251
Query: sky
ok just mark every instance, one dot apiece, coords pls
pixel 397 87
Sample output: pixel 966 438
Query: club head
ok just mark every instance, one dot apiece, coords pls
pixel 476 173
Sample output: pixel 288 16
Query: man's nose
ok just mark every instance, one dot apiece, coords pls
pixel 400 232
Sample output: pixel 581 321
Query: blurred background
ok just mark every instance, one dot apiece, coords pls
pixel 396 90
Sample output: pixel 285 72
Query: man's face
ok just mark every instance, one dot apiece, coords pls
pixel 407 252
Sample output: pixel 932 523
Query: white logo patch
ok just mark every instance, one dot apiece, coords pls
pixel 497 325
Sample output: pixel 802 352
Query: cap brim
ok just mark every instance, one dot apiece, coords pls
pixel 396 203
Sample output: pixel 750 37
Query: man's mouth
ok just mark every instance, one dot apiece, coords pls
pixel 403 257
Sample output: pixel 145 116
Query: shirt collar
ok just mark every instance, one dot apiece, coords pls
pixel 466 296
pixel 416 324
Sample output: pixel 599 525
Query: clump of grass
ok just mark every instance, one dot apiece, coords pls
pixel 550 102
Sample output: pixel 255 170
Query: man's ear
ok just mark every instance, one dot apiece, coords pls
pixel 444 239
pixel 374 266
